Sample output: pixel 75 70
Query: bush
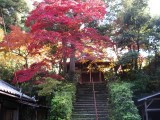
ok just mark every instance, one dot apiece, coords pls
pixel 61 104
pixel 141 83
pixel 48 87
pixel 6 73
pixel 122 106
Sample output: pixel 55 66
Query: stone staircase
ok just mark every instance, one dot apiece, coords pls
pixel 91 102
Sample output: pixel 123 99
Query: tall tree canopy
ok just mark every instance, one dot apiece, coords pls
pixel 15 48
pixel 66 25
pixel 12 12
pixel 132 30
pixel 17 42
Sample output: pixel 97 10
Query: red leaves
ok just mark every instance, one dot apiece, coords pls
pixel 52 18
pixel 39 66
pixel 66 12
pixel 39 70
pixel 44 36
pixel 59 23
pixel 28 73
pixel 56 76
pixel 23 75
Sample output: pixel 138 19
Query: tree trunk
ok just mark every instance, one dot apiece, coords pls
pixel 64 58
pixel 155 60
pixel 138 49
pixel 72 64
pixel 64 65
pixel 26 62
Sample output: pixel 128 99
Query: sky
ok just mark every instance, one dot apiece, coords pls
pixel 154 6
pixel 30 2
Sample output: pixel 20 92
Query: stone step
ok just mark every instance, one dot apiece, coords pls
pixel 90 103
pixel 100 118
pixel 88 115
pixel 84 106
pixel 84 116
pixel 89 112
pixel 90 92
pixel 95 84
pixel 91 98
pixel 90 89
pixel 90 109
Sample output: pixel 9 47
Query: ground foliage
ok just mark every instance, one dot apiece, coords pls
pixel 121 104
pixel 48 87
pixel 62 102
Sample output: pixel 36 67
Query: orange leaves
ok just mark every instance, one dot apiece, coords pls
pixel 16 39
pixel 1 34
pixel 20 47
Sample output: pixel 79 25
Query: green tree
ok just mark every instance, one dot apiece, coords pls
pixel 154 39
pixel 132 28
pixel 153 49
pixel 12 12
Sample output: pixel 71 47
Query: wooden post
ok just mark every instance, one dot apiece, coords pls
pixel 90 76
pixel 0 107
pixel 36 114
pixel 17 113
pixel 146 113
pixel 80 77
pixel 100 76
pixel 143 115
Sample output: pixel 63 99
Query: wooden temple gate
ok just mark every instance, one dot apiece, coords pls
pixel 90 72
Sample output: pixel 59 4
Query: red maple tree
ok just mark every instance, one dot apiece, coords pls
pixel 66 25
pixel 39 70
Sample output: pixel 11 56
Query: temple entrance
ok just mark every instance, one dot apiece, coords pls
pixel 91 72
pixel 92 77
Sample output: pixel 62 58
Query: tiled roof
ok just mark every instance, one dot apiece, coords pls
pixel 149 97
pixel 6 88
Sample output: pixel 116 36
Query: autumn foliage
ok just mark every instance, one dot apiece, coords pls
pixel 65 24
pixel 39 70
pixel 16 39
pixel 64 28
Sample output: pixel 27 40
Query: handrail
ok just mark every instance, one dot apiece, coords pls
pixel 95 103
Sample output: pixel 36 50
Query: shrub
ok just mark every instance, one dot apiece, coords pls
pixel 48 87
pixel 122 106
pixel 6 73
pixel 141 83
pixel 61 104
